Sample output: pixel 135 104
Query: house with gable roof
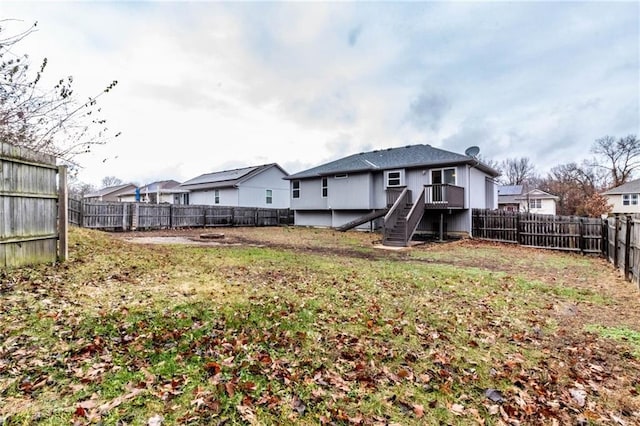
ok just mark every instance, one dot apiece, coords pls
pixel 516 199
pixel 257 186
pixel 110 193
pixel 416 188
pixel 625 198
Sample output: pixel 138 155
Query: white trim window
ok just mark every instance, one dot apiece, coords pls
pixel 295 189
pixel 444 176
pixel 216 196
pixel 394 178
pixel 269 196
pixel 341 176
pixel 325 186
pixel 629 199
pixel 535 203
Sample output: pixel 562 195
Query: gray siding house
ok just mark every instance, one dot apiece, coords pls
pixel 110 193
pixel 417 188
pixel 258 186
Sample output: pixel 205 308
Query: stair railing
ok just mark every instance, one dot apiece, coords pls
pixel 392 215
pixel 414 216
pixel 391 218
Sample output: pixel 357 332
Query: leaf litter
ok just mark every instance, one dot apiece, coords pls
pixel 265 335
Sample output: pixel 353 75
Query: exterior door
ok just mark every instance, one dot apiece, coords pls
pixel 438 178
pixel 436 189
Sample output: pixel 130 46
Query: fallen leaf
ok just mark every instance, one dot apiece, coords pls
pixel 578 396
pixel 494 395
pixel 457 409
pixel 230 388
pixel 155 420
pixel 119 400
pixel 298 405
pixel 418 410
pixel 247 414
pixel 493 409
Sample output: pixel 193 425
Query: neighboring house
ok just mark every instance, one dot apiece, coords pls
pixel 165 191
pixel 352 191
pixel 110 193
pixel 514 198
pixel 258 186
pixel 625 198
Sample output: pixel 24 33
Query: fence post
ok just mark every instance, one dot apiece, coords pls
pixel 604 240
pixel 615 242
pixel 627 248
pixel 81 214
pixel 581 237
pixel 124 216
pixel 518 228
pixel 63 220
pixel 135 216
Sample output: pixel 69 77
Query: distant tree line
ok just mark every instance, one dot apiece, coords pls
pixel 579 185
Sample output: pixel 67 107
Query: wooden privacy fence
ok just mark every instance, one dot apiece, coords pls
pixel 118 216
pixel 32 207
pixel 570 233
pixel 623 244
pixel 617 238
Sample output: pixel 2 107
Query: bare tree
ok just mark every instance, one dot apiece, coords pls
pixel 78 189
pixel 108 181
pixel 51 120
pixel 620 157
pixel 577 186
pixel 490 162
pixel 517 171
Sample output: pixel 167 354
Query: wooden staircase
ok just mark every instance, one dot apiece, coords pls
pixel 402 219
pixel 395 235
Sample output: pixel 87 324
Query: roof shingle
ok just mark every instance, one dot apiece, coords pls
pixel 392 158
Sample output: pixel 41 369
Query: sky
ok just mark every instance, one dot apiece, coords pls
pixel 210 86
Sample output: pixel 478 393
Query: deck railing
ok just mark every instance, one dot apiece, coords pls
pixel 444 196
pixel 393 194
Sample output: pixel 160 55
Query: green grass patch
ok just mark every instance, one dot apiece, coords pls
pixel 620 334
pixel 307 331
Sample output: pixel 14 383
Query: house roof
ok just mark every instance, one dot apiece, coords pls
pixel 512 194
pixel 163 186
pixel 227 178
pixel 537 194
pixel 393 158
pixel 510 190
pixel 632 187
pixel 109 190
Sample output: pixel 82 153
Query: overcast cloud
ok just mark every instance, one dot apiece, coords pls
pixel 209 86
